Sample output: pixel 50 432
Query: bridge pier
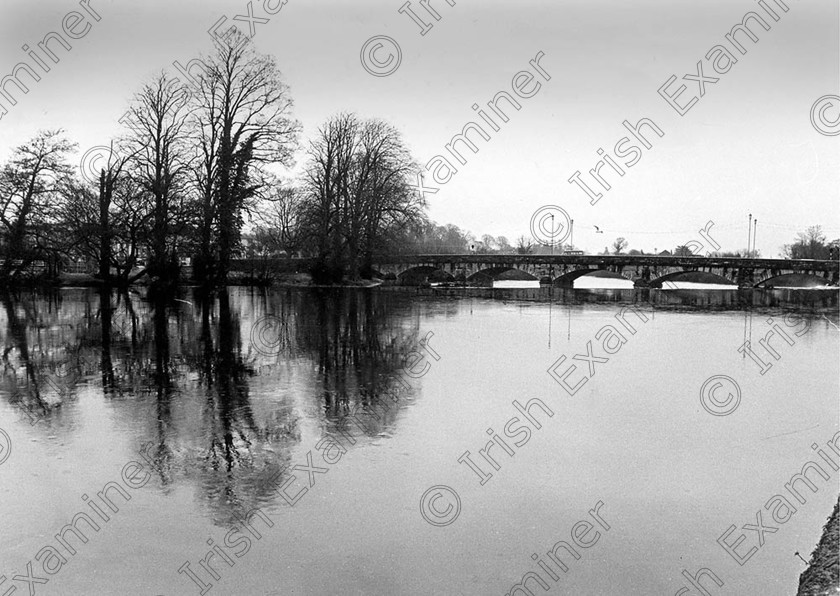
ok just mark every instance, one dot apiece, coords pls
pixel 745 278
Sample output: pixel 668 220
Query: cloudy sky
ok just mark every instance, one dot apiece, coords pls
pixel 746 146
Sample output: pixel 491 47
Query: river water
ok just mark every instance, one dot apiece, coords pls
pixel 292 440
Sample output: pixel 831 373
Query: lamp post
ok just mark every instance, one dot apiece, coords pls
pixel 749 230
pixel 552 234
pixel 551 261
pixel 755 229
pixel 572 235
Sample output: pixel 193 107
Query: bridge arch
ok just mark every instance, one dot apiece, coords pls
pixel 699 277
pixel 493 272
pixel 793 280
pixel 567 280
pixel 423 273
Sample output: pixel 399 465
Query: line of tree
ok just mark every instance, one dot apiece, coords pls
pixel 194 165
pixel 812 244
pixel 191 164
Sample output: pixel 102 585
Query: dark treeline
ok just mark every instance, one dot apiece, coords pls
pixel 195 166
pixel 812 244
pixel 193 161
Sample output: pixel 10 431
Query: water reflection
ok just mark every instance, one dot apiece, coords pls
pixel 220 388
pixel 678 299
pixel 215 386
pixel 221 393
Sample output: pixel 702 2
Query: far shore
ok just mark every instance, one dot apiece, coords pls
pixel 304 280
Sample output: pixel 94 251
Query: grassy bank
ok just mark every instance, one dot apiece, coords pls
pixel 823 574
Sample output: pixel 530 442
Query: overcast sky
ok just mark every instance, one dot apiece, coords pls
pixel 746 146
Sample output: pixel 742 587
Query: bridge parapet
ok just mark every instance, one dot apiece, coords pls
pixel 642 269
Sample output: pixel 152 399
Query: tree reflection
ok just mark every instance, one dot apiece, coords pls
pixel 161 455
pixel 185 376
pixel 21 377
pixel 361 344
pixel 236 448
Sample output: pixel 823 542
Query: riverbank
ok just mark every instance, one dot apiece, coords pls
pixel 823 574
pixel 299 279
pixel 285 280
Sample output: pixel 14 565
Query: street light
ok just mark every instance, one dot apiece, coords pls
pixel 551 261
pixel 552 234
pixel 749 230
pixel 572 235
pixel 755 229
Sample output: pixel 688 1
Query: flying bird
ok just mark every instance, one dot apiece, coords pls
pixel 597 230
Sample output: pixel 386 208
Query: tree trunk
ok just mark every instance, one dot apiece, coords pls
pixel 105 190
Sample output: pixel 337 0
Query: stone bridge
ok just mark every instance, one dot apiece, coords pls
pixel 642 270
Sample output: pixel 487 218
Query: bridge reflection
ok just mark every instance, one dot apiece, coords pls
pixel 815 301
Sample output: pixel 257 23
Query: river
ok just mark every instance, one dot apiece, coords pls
pixel 332 416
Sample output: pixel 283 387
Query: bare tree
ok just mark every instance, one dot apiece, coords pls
pixel 524 246
pixel 358 193
pixel 384 200
pixel 129 223
pixel 619 245
pixel 282 220
pixel 504 245
pixel 325 181
pixel 109 225
pixel 111 178
pixel 79 222
pixel 158 163
pixel 489 242
pixel 30 186
pixel 242 123
pixel 809 244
